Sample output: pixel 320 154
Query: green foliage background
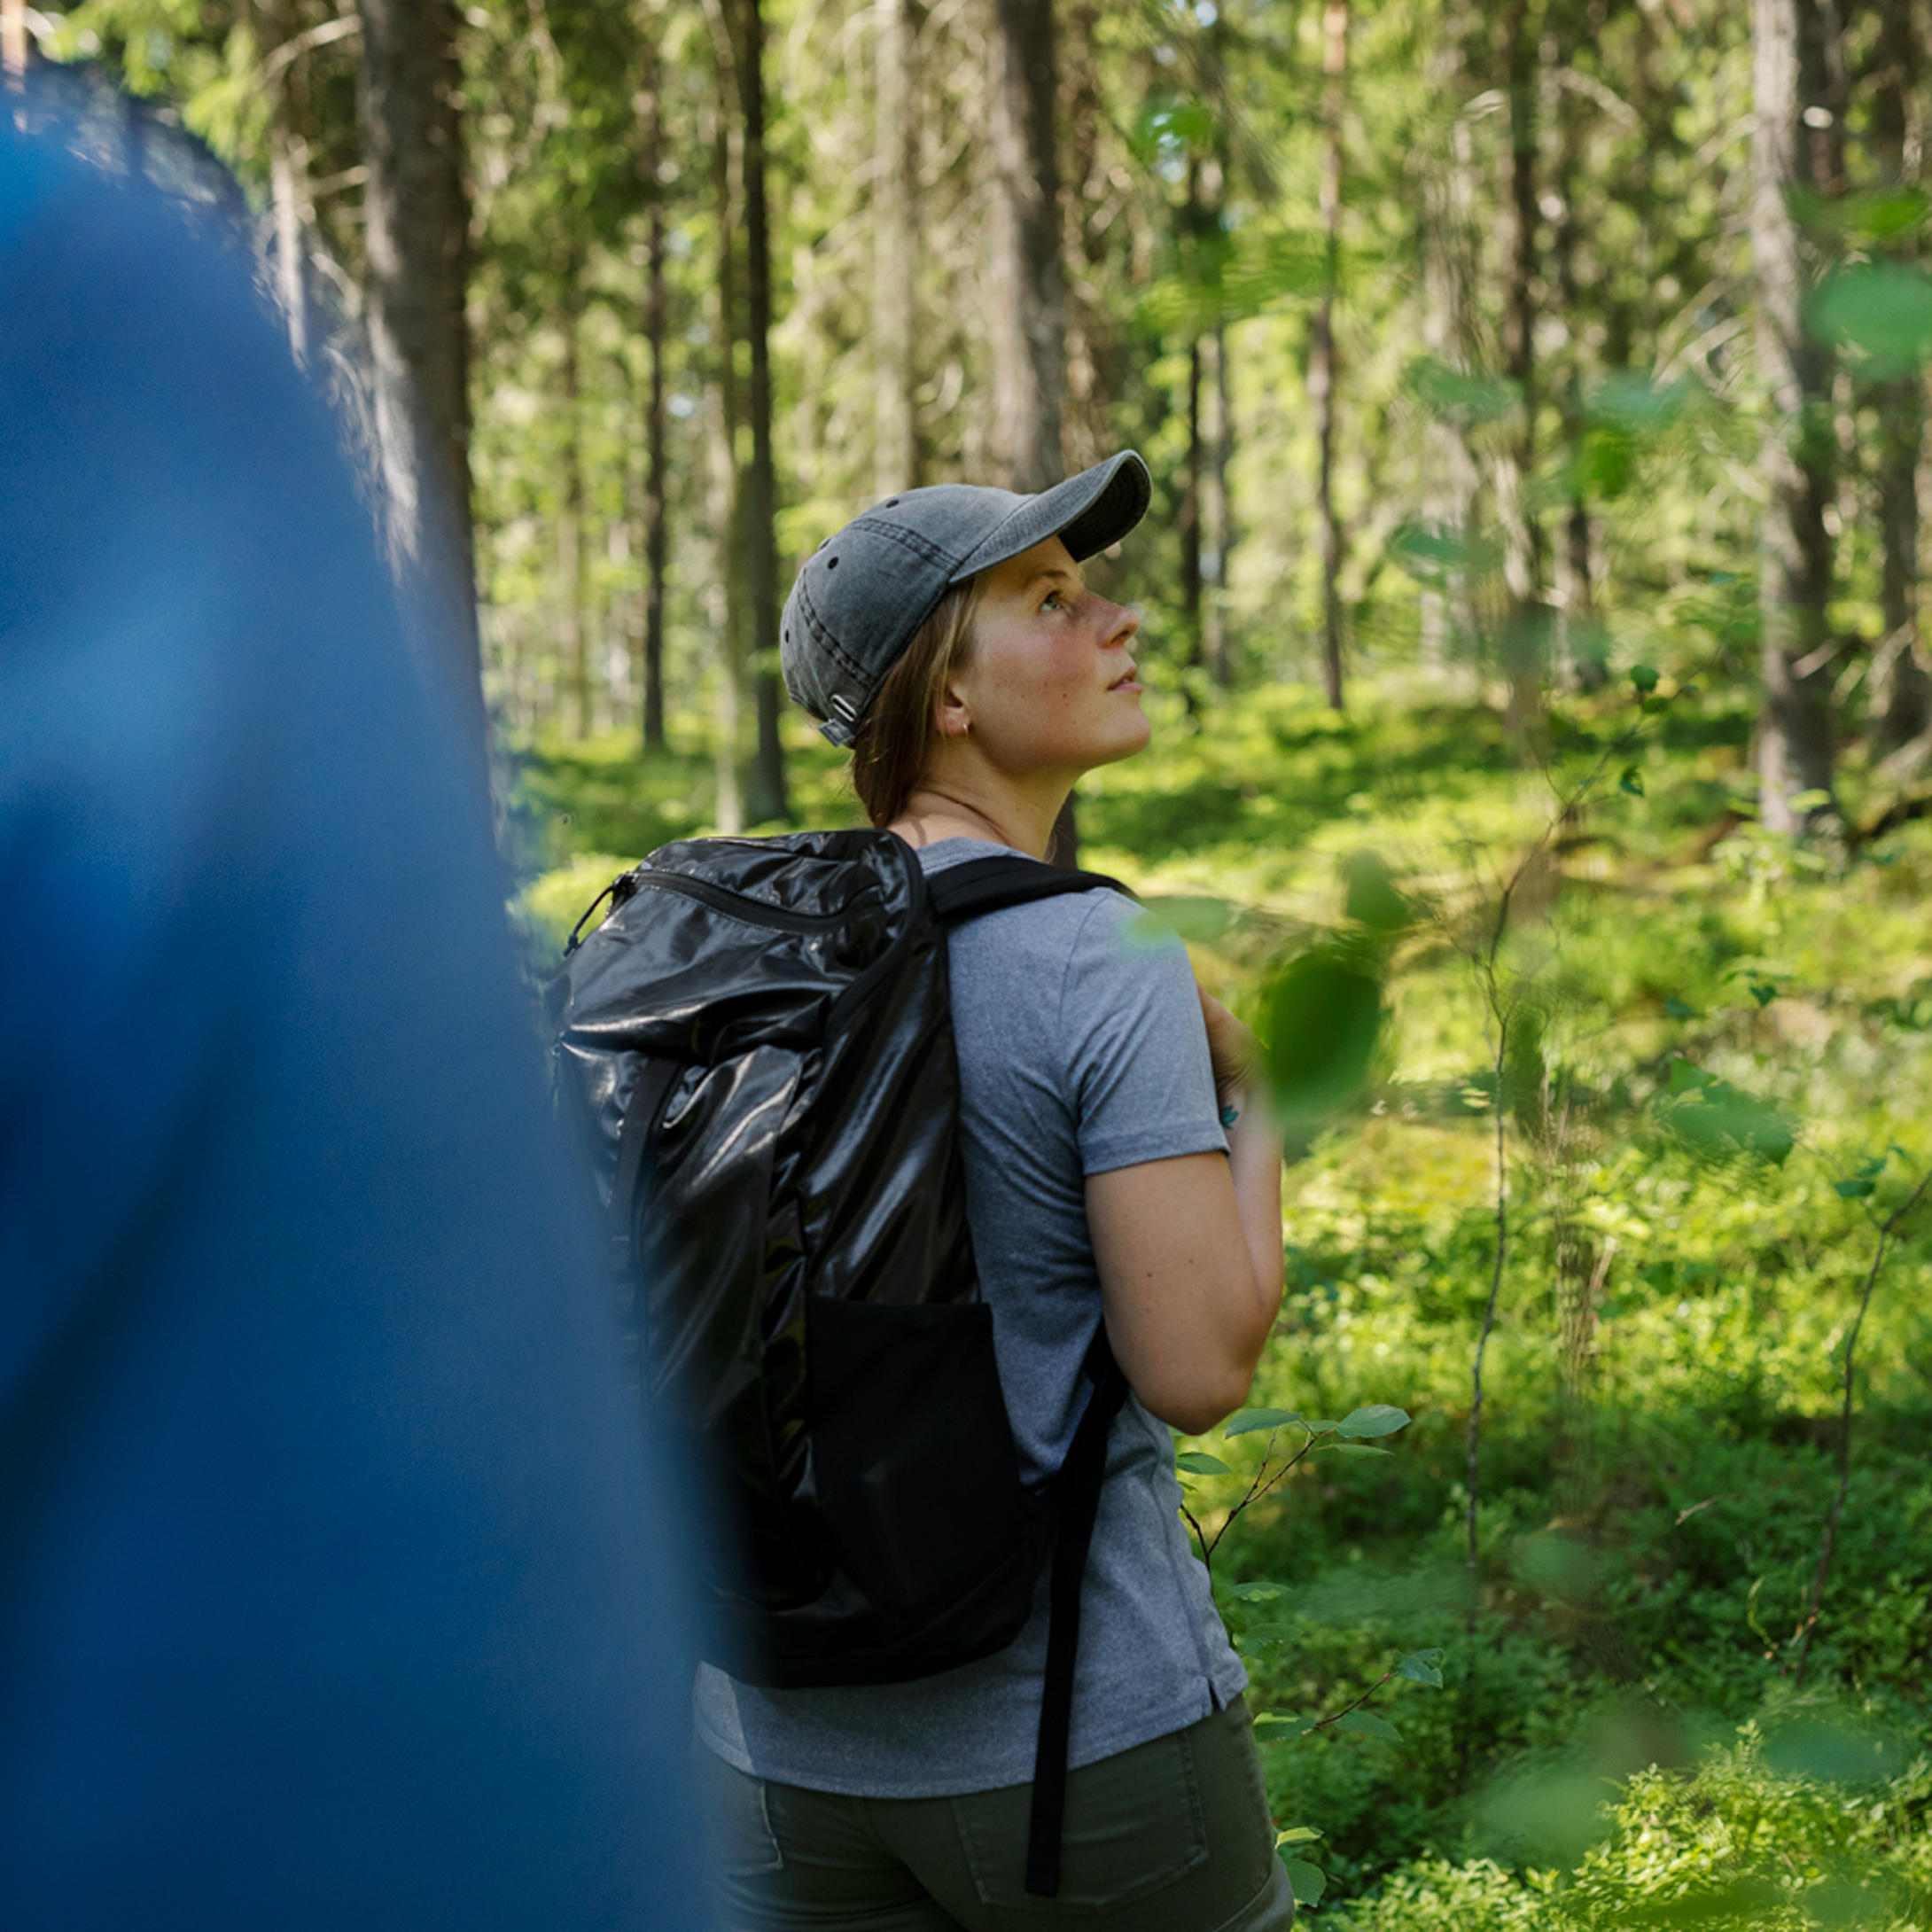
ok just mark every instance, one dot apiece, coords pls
pixel 1597 1756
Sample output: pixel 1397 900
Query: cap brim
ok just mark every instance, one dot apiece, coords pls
pixel 1087 512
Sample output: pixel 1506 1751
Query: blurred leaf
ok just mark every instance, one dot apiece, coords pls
pixel 1882 307
pixel 1378 1418
pixel 1321 1016
pixel 1250 1420
pixel 1366 1724
pixel 1644 676
pixel 1305 1879
pixel 1296 1834
pixel 1714 1117
pixel 1677 1009
pixel 1831 1751
pixel 1456 397
pixel 1258 1593
pixel 1351 1449
pixel 1854 1190
pixel 1198 1462
pixel 1421 1667
pixel 1631 782
pixel 1373 899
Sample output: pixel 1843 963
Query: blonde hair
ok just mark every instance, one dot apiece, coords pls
pixel 901 730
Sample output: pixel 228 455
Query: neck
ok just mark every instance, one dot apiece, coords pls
pixel 1020 813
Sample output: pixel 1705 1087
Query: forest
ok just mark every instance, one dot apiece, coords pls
pixel 1535 394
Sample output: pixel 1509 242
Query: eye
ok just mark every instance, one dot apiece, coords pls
pixel 1055 600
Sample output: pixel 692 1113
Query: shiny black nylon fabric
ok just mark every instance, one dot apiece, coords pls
pixel 806 1297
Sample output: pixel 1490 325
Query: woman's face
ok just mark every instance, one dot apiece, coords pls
pixel 1050 686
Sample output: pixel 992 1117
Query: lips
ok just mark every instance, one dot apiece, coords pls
pixel 1127 680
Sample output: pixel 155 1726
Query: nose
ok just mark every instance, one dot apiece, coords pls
pixel 1119 622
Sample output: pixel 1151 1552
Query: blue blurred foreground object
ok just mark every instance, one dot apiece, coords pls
pixel 337 1579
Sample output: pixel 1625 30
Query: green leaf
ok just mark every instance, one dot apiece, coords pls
pixel 1853 1190
pixel 1882 308
pixel 1378 1418
pixel 1421 1667
pixel 1280 1721
pixel 1296 1834
pixel 1320 1429
pixel 1631 782
pixel 1687 1079
pixel 1353 1449
pixel 1452 396
pixel 1677 1009
pixel 1198 1462
pixel 1250 1420
pixel 1258 1593
pixel 1305 1879
pixel 1644 676
pixel 1366 1724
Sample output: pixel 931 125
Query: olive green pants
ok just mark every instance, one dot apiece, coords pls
pixel 1171 1837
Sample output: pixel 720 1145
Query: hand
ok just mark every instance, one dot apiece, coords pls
pixel 1236 1053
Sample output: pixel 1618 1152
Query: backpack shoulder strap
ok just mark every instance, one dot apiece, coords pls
pixel 982 885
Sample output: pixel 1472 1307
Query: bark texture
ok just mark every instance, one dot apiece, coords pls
pixel 1794 731
pixel 1902 694
pixel 650 157
pixel 1323 374
pixel 1026 298
pixel 894 257
pixel 416 212
pixel 765 794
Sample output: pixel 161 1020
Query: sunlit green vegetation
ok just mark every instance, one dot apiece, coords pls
pixel 1660 1431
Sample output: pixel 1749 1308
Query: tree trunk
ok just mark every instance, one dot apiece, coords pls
pixel 727 494
pixel 765 795
pixel 1522 641
pixel 416 212
pixel 1902 699
pixel 288 183
pixel 1445 245
pixel 894 258
pixel 1321 359
pixel 1794 731
pixel 12 43
pixel 1026 309
pixel 1187 517
pixel 1217 522
pixel 570 523
pixel 1579 648
pixel 651 158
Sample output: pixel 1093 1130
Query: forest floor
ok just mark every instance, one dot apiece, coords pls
pixel 1714 1095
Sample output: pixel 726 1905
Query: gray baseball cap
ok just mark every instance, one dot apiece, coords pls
pixel 864 593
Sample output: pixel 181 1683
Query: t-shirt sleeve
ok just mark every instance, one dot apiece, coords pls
pixel 1141 1081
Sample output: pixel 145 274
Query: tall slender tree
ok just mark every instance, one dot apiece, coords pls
pixel 1321 357
pixel 417 222
pixel 1026 309
pixel 653 536
pixel 1522 643
pixel 1902 700
pixel 895 460
pixel 1794 726
pixel 766 796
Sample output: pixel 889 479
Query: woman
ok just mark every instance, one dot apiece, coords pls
pixel 1116 1169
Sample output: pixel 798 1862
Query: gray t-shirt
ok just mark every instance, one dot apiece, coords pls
pixel 1081 1048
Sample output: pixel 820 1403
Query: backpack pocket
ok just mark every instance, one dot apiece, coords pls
pixel 915 1470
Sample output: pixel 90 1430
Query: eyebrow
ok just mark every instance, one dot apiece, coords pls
pixel 1056 573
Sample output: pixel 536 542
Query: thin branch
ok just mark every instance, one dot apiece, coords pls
pixel 1886 1231
pixel 1321 1724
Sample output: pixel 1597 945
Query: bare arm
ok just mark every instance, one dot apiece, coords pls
pixel 1189 1254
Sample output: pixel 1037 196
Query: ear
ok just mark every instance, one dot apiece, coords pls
pixel 955 714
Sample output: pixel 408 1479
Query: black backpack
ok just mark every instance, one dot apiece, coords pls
pixel 757 1042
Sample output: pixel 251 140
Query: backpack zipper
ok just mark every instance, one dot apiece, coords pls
pixel 752 911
